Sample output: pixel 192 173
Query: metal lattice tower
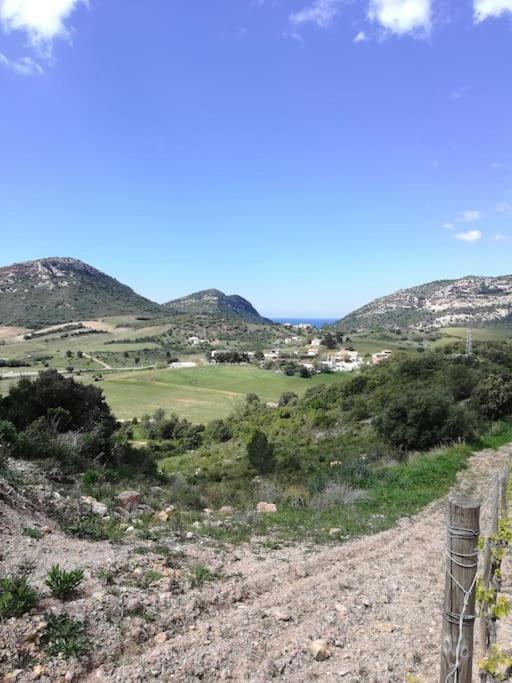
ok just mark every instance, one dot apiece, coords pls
pixel 469 338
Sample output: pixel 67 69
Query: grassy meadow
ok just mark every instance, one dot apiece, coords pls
pixel 198 394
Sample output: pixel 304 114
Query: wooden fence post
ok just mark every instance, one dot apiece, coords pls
pixel 460 591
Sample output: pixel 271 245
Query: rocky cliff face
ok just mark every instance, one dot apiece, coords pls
pixel 57 290
pixel 445 303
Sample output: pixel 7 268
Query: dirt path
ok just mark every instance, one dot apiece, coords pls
pixel 377 600
pixel 96 360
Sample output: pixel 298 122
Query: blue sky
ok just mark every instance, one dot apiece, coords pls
pixel 307 154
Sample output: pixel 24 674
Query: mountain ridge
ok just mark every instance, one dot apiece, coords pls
pixel 485 300
pixel 215 302
pixel 58 289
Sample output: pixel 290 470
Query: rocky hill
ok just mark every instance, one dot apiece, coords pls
pixel 58 290
pixel 216 303
pixel 444 303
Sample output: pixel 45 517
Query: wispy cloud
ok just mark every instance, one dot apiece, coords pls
pixel 448 226
pixel 42 22
pixel 504 207
pixel 487 9
pixel 459 93
pixel 469 216
pixel 501 238
pixel 402 16
pixel 24 66
pixel 469 236
pixel 361 37
pixel 321 13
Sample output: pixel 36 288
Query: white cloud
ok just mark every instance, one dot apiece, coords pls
pixel 41 20
pixel 501 238
pixel 361 37
pixel 469 236
pixel 469 216
pixel 401 16
pixel 448 226
pixel 24 66
pixel 322 13
pixel 486 9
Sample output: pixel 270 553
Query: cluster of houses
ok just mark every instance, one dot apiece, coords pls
pixel 342 360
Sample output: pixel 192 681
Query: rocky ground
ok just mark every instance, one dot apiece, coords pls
pixel 187 609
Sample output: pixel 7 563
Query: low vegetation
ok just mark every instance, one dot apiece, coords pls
pixel 64 584
pixel 16 596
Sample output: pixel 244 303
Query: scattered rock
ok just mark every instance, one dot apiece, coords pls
pixel 227 510
pixel 197 525
pixel 161 638
pixel 37 672
pixel 334 533
pixel 46 530
pixel 189 535
pixel 320 649
pixel 278 614
pixel 384 627
pixel 162 516
pixel 129 500
pixel 266 507
pixel 95 505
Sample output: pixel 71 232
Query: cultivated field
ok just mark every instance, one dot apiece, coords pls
pixel 199 394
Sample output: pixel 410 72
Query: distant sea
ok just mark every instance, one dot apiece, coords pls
pixel 316 322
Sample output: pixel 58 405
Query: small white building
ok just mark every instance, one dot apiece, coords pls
pixel 316 342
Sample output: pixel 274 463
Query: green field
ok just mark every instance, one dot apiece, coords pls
pixel 199 394
pixel 453 334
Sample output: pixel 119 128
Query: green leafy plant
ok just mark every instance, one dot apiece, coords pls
pixel 64 636
pixel 63 584
pixel 201 575
pixel 32 532
pixel 16 596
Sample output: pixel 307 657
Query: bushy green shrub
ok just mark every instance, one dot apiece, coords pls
pixel 63 584
pixel 65 637
pixel 492 396
pixel 16 596
pixel 261 453
pixel 420 419
pixel 218 431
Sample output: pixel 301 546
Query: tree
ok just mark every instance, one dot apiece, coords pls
pixel 261 453
pixel 31 399
pixel 419 419
pixel 492 397
pixel 304 372
pixel 329 340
